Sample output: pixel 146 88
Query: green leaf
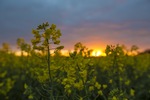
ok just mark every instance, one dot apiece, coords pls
pixel 60 47
pixel 57 42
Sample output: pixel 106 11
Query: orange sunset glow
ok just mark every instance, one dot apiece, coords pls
pixel 75 50
pixel 98 53
pixel 95 53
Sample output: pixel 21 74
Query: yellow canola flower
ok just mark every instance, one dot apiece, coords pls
pixel 30 96
pixel 69 91
pixel 97 85
pixel 104 86
pixel 114 98
pixel 83 74
pixel 78 85
pixel 100 92
pixel 71 80
pixel 67 86
pixel 93 80
pixel 64 81
pixel 120 79
pixel 91 88
pixel 127 82
pixel 81 98
pixel 132 92
pixel 110 81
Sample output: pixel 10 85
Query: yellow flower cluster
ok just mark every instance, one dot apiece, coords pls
pixel 132 92
pixel 104 86
pixel 97 85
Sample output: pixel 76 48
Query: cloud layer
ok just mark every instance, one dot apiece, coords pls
pixel 96 23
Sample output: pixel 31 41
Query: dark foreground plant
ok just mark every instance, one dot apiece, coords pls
pixel 44 37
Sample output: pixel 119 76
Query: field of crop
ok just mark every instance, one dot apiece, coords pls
pixel 41 76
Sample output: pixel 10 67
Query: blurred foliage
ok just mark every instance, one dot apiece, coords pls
pixel 116 76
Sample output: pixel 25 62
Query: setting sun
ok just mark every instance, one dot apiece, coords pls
pixel 96 53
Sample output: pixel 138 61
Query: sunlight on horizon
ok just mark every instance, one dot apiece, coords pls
pixel 18 53
pixel 97 53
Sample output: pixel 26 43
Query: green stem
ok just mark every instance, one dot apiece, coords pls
pixel 48 61
pixel 49 71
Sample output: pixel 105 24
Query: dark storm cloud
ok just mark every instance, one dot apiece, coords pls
pixel 18 17
pixel 88 21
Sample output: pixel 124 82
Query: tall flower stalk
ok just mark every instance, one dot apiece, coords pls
pixel 44 36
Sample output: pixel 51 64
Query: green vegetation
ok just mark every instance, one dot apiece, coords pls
pixel 42 76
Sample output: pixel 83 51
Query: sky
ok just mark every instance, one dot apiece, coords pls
pixel 95 23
